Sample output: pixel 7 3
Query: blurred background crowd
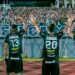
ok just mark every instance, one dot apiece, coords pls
pixel 41 13
pixel 44 15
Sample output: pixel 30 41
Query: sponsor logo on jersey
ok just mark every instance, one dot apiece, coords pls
pixel 12 37
pixel 49 62
pixel 51 38
pixel 50 51
pixel 15 49
pixel 13 58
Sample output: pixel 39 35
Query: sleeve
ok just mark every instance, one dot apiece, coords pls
pixel 74 36
pixel 60 34
pixel 43 34
pixel 6 39
pixel 21 32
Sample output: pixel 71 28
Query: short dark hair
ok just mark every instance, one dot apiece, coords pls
pixel 14 26
pixel 51 27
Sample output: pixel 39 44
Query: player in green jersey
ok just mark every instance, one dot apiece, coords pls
pixel 50 64
pixel 13 50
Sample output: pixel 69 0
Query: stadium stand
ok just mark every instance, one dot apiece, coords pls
pixel 44 16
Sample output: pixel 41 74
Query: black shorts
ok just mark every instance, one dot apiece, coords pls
pixel 14 66
pixel 50 68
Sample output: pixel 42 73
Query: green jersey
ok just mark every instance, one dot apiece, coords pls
pixel 51 46
pixel 14 41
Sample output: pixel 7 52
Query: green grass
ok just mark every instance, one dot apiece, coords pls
pixel 32 59
pixel 1 59
pixel 39 59
pixel 61 59
pixel 67 59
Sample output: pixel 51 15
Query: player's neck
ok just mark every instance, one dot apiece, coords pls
pixel 51 32
pixel 13 32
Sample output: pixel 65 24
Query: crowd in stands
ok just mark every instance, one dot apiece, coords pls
pixel 44 15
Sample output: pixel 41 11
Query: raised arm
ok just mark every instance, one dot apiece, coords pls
pixel 68 25
pixel 33 20
pixel 25 26
pixel 24 22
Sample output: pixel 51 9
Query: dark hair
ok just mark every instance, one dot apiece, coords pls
pixel 51 27
pixel 14 26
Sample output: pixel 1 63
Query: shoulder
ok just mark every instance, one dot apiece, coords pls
pixel 21 32
pixel 43 33
pixel 59 34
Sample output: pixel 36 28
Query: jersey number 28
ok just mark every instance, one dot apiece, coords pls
pixel 51 44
